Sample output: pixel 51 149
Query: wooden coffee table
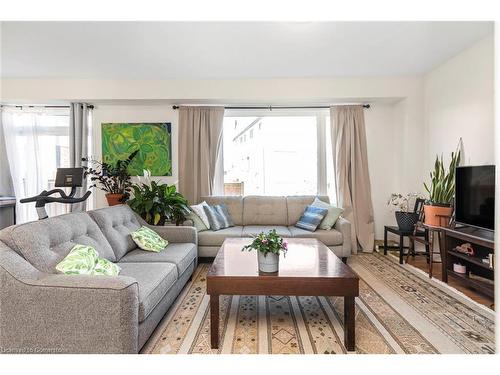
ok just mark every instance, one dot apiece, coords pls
pixel 309 269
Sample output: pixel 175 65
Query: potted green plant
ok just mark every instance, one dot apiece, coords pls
pixel 405 218
pixel 113 179
pixel 269 246
pixel 441 190
pixel 158 203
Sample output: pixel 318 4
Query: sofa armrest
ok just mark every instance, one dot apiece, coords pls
pixel 174 233
pixel 49 313
pixel 177 234
pixel 344 227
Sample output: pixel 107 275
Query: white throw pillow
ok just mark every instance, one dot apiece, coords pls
pixel 331 217
pixel 198 210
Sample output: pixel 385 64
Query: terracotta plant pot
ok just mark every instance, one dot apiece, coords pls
pixel 114 199
pixel 438 216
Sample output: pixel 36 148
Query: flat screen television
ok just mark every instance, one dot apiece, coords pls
pixel 475 196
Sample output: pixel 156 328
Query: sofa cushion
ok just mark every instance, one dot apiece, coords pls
pixel 330 237
pixel 154 281
pixel 262 210
pixel 311 218
pixel 180 254
pixel 218 217
pixel 196 221
pixel 46 242
pixel 216 238
pixel 117 223
pixel 81 260
pixel 84 260
pixel 254 230
pixel 106 268
pixel 147 239
pixel 233 204
pixel 331 217
pixel 297 204
pixel 198 209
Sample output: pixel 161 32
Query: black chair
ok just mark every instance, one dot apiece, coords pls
pixel 420 233
pixel 411 234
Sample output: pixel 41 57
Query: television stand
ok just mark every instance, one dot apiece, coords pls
pixel 479 275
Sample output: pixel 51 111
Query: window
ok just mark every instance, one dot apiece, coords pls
pixel 37 142
pixel 284 153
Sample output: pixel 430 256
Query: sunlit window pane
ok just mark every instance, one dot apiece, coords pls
pixel 274 155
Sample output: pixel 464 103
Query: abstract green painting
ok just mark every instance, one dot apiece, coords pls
pixel 153 140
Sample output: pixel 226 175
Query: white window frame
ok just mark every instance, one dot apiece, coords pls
pixel 320 114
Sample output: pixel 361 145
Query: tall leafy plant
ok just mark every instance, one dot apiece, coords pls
pixel 111 178
pixel 441 189
pixel 159 203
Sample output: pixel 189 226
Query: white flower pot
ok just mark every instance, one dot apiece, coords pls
pixel 268 263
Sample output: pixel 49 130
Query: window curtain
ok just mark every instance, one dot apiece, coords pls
pixel 200 151
pixel 6 187
pixel 35 139
pixel 79 144
pixel 350 162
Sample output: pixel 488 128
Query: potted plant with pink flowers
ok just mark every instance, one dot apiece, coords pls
pixel 269 246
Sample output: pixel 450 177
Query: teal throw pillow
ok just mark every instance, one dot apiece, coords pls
pixel 311 218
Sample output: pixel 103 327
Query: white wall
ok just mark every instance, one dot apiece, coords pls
pixel 135 113
pixel 248 91
pixel 381 138
pixel 459 102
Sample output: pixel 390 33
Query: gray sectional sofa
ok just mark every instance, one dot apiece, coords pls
pixel 42 311
pixel 254 214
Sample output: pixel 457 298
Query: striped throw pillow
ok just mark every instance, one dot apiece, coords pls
pixel 218 217
pixel 311 218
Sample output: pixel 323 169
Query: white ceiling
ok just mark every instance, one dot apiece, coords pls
pixel 170 50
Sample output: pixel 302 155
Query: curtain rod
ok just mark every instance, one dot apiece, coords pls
pixel 282 107
pixel 42 106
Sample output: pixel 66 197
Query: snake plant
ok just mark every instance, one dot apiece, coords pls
pixel 442 187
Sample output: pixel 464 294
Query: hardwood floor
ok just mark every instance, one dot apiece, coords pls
pixel 420 263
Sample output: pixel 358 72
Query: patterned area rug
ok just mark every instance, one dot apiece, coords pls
pixel 398 311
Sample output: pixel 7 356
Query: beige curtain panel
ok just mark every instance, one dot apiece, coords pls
pixel 350 162
pixel 79 128
pixel 200 151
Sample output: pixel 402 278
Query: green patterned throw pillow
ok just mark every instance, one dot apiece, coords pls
pixel 84 260
pixel 147 239
pixel 81 260
pixel 106 268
